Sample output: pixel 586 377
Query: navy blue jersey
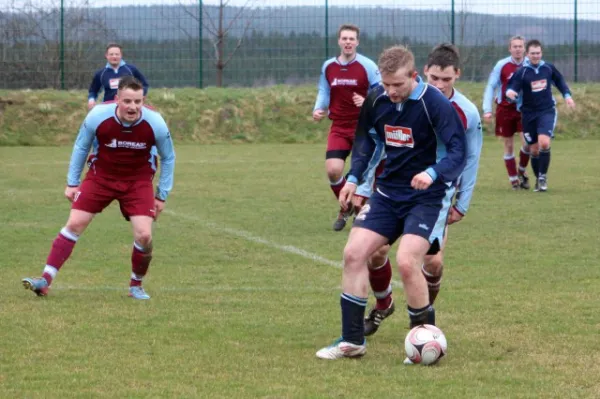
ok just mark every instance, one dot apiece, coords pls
pixel 423 133
pixel 108 79
pixel 534 85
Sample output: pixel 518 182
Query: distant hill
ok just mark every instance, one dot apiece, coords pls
pixel 181 22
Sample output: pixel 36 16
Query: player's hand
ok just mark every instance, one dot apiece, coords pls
pixel 318 114
pixel 454 216
pixel 158 207
pixel 357 99
pixel 512 94
pixel 91 104
pixel 487 117
pixel 346 195
pixel 71 193
pixel 570 103
pixel 358 201
pixel 422 181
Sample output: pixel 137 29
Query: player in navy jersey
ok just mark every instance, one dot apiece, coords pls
pixel 122 168
pixel 442 71
pixel 107 78
pixel 531 87
pixel 343 85
pixel 508 118
pixel 425 148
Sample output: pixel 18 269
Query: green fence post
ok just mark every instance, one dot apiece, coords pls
pixel 575 46
pixel 452 19
pixel 326 29
pixel 61 59
pixel 200 40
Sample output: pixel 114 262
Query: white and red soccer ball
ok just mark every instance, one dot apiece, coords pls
pixel 425 344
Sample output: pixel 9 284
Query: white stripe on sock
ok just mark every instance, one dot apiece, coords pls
pixel 71 236
pixel 51 270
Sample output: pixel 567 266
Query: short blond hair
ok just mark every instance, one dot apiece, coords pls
pixel 350 27
pixel 516 37
pixel 394 58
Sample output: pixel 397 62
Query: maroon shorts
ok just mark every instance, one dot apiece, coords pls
pixel 136 197
pixel 341 137
pixel 508 122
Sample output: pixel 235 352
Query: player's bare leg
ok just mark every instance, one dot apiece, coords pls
pixel 410 258
pixel 335 174
pixel 380 279
pixel 62 247
pixel 524 155
pixel 433 268
pixel 141 255
pixel 544 161
pixel 355 284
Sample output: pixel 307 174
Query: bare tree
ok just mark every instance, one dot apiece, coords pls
pixel 220 29
pixel 30 43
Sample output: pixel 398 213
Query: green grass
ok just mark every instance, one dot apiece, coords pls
pixel 236 313
pixel 279 114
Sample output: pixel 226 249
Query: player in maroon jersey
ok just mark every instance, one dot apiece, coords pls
pixel 343 86
pixel 122 167
pixel 508 119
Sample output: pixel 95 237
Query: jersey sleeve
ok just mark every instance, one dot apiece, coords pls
pixel 166 152
pixel 474 136
pixel 516 81
pixel 364 146
pixel 138 75
pixel 95 87
pixel 365 189
pixel 494 82
pixel 373 74
pixel 450 131
pixel 323 91
pixel 559 82
pixel 81 148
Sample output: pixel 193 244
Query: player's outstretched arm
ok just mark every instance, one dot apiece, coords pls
pixel 492 86
pixel 515 84
pixel 323 96
pixel 94 89
pixel 81 148
pixel 364 146
pixel 140 76
pixel 450 131
pixel 166 152
pixel 561 84
pixel 468 178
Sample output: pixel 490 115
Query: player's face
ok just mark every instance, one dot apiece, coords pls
pixel 114 56
pixel 534 54
pixel 129 104
pixel 443 79
pixel 400 84
pixel 348 41
pixel 517 49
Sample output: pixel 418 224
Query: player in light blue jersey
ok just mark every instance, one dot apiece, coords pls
pixel 442 71
pixel 124 136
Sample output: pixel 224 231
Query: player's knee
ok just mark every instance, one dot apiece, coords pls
pixel 76 226
pixel 379 257
pixel 407 267
pixel 354 256
pixel 434 263
pixel 144 239
pixel 334 174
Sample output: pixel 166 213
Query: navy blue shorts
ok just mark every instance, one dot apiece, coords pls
pixel 392 219
pixel 535 124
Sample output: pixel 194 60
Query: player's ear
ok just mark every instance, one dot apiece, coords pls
pixel 425 70
pixel 458 72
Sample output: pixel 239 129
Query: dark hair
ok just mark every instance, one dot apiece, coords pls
pixel 396 57
pixel 350 27
pixel 111 45
pixel 444 55
pixel 533 43
pixel 129 82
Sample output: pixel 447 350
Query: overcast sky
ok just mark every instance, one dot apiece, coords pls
pixel 587 9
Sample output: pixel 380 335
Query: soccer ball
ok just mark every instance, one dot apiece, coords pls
pixel 425 344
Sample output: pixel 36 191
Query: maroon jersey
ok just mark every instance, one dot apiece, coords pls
pixel 338 83
pixel 497 85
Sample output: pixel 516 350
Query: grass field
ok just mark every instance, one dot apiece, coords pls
pixel 245 287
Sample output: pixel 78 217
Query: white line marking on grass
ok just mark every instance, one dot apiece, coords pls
pixel 158 287
pixel 251 237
